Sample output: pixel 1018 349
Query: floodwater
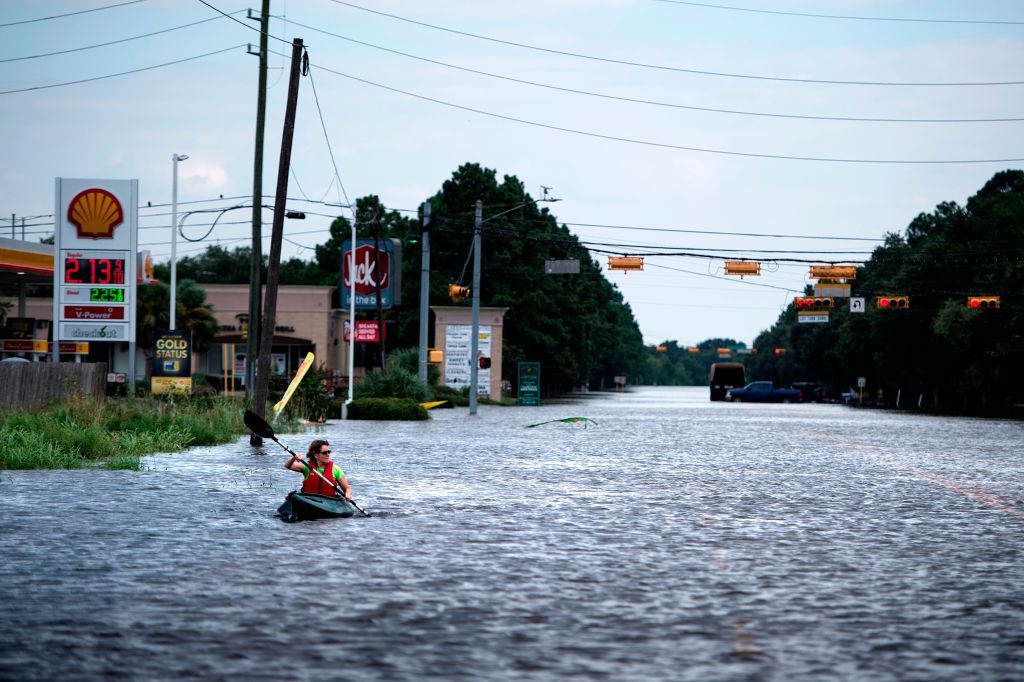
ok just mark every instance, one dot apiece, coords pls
pixel 677 539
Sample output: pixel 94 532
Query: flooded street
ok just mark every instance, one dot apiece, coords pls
pixel 677 539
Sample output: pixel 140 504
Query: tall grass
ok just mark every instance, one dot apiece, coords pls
pixel 83 432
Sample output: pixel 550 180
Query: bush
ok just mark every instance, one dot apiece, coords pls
pixel 113 433
pixel 409 360
pixel 392 409
pixel 311 401
pixel 394 382
pixel 454 398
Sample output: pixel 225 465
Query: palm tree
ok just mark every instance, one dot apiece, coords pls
pixel 192 313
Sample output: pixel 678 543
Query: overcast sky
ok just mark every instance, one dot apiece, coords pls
pixel 665 173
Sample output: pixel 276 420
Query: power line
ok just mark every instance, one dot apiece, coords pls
pixel 323 126
pixel 664 145
pixel 114 42
pixel 660 67
pixel 842 16
pixel 242 23
pixel 715 232
pixel 70 14
pixel 122 73
pixel 858 119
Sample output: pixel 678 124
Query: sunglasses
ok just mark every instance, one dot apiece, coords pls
pixel 324 452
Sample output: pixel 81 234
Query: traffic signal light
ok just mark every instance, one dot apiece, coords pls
pixel 813 302
pixel 780 351
pixel 625 263
pixel 982 302
pixel 457 292
pixel 485 363
pixel 893 302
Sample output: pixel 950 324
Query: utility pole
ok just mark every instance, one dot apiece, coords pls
pixel 424 289
pixel 377 277
pixel 13 219
pixel 474 362
pixel 273 269
pixel 256 265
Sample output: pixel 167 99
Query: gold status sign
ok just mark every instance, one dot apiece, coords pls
pixel 172 362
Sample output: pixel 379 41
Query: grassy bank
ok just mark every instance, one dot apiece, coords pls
pixel 114 433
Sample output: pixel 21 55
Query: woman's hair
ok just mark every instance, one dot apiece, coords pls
pixel 314 448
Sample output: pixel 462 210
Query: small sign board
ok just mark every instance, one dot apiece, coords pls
pixel 570 266
pixel 529 383
pixel 19 328
pixel 813 318
pixel 367 331
pixel 172 362
pixel 856 305
pixel 862 382
pixel 833 289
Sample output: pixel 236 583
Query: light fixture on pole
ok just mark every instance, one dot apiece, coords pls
pixel 174 235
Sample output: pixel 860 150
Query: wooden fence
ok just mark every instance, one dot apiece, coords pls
pixel 30 384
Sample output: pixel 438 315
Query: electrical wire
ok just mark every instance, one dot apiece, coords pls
pixel 731 234
pixel 323 126
pixel 664 145
pixel 242 23
pixel 70 14
pixel 122 73
pixel 720 74
pixel 114 42
pixel 842 16
pixel 687 107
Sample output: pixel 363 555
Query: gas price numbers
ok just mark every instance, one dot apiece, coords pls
pixel 95 271
pixel 106 295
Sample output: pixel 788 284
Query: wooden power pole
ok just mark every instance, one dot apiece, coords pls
pixel 262 381
pixel 256 265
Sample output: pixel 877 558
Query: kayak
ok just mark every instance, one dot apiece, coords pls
pixel 307 506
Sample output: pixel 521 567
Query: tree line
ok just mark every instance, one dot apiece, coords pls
pixel 578 326
pixel 938 353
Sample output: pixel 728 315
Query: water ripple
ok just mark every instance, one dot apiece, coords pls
pixel 677 540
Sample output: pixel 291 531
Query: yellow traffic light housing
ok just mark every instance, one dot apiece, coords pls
pixel 983 302
pixel 625 263
pixel 833 272
pixel 892 302
pixel 457 292
pixel 742 267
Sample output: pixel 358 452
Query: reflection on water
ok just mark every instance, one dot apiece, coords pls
pixel 678 540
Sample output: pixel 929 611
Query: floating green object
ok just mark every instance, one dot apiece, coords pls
pixel 567 420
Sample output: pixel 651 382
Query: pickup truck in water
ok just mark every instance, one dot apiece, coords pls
pixel 763 392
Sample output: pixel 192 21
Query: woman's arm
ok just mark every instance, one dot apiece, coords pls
pixel 343 484
pixel 294 464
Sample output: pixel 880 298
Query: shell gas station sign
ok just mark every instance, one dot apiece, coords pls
pixel 95 249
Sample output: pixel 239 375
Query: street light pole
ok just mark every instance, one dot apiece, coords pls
pixel 424 290
pixel 174 235
pixel 474 361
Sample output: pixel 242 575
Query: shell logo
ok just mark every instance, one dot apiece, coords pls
pixel 95 213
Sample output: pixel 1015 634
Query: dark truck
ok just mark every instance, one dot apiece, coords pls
pixel 726 376
pixel 764 392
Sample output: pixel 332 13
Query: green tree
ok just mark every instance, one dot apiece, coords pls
pixel 191 313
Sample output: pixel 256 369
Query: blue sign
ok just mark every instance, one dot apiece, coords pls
pixel 372 268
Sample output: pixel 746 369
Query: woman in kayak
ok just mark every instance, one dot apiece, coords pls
pixel 319 454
